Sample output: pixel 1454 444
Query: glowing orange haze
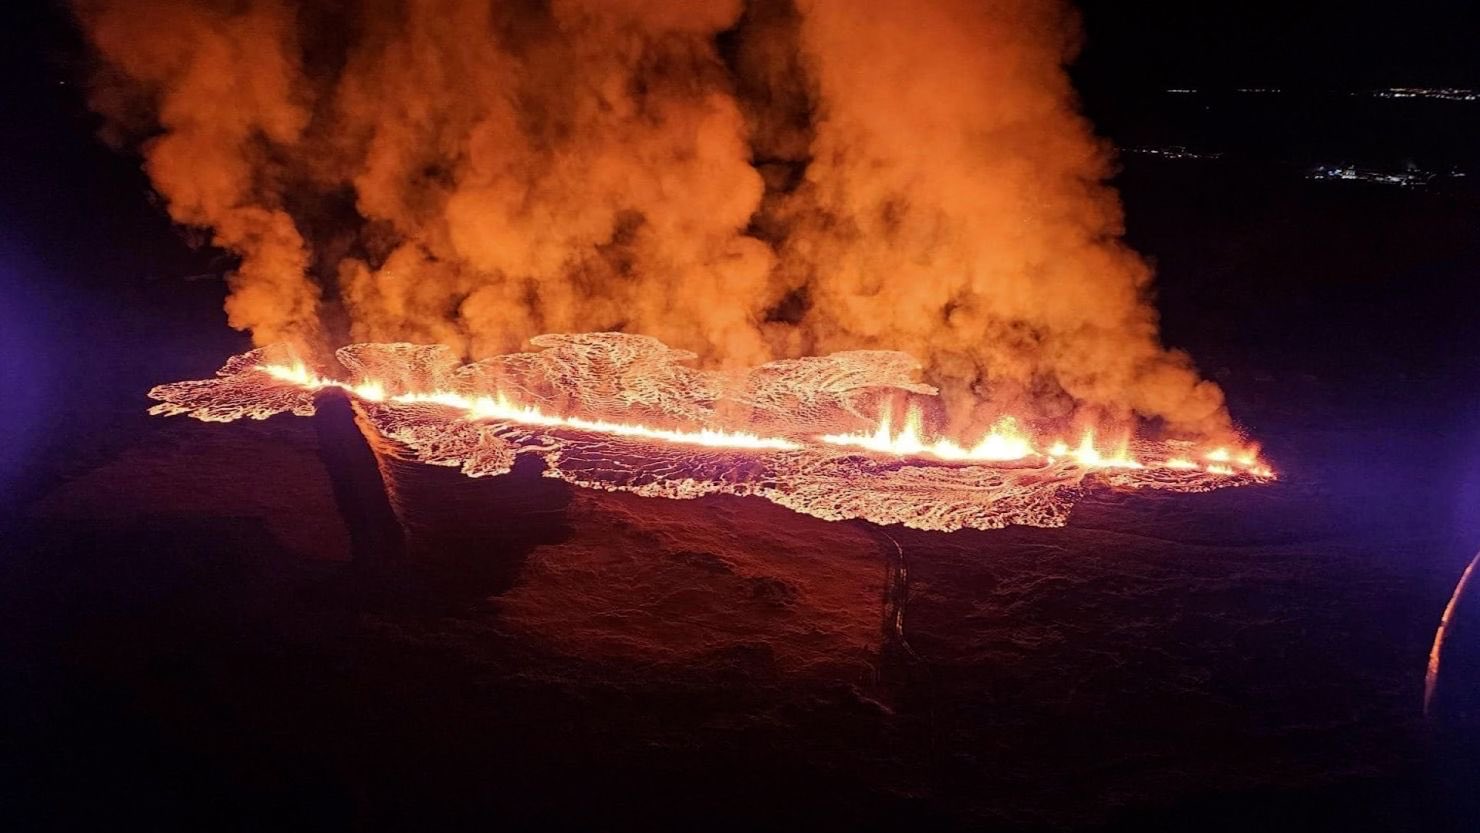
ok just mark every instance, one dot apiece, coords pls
pixel 742 180
pixel 1005 442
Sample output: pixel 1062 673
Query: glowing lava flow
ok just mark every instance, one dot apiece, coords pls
pixel 1007 442
pixel 794 432
pixel 499 408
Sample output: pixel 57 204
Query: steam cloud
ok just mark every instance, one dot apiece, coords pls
pixel 744 180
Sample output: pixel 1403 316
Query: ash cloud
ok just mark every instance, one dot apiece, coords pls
pixel 743 180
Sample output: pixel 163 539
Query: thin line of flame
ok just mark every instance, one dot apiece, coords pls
pixel 1004 442
pixel 498 407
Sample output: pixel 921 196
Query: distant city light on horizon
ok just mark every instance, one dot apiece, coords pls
pixel 1174 152
pixel 1409 178
pixel 1435 93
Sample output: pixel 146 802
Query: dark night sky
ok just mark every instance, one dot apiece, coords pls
pixel 1132 44
pixel 1132 47
pixel 1157 43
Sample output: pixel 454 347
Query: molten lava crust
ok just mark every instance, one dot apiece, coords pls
pixel 622 413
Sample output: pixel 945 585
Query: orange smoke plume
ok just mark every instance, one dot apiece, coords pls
pixel 742 180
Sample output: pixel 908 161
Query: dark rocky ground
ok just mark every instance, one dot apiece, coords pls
pixel 184 644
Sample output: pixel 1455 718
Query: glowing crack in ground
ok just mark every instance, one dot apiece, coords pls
pixel 624 413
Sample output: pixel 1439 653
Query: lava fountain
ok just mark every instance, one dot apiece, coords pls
pixel 624 413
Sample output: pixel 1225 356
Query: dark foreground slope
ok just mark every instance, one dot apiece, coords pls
pixel 188 641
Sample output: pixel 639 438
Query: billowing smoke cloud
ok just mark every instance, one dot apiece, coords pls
pixel 742 180
pixel 225 90
pixel 954 207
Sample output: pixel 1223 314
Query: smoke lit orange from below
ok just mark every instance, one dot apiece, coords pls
pixel 745 181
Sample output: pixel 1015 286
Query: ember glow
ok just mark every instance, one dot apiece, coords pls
pixel 1006 441
pixel 615 411
pixel 497 407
